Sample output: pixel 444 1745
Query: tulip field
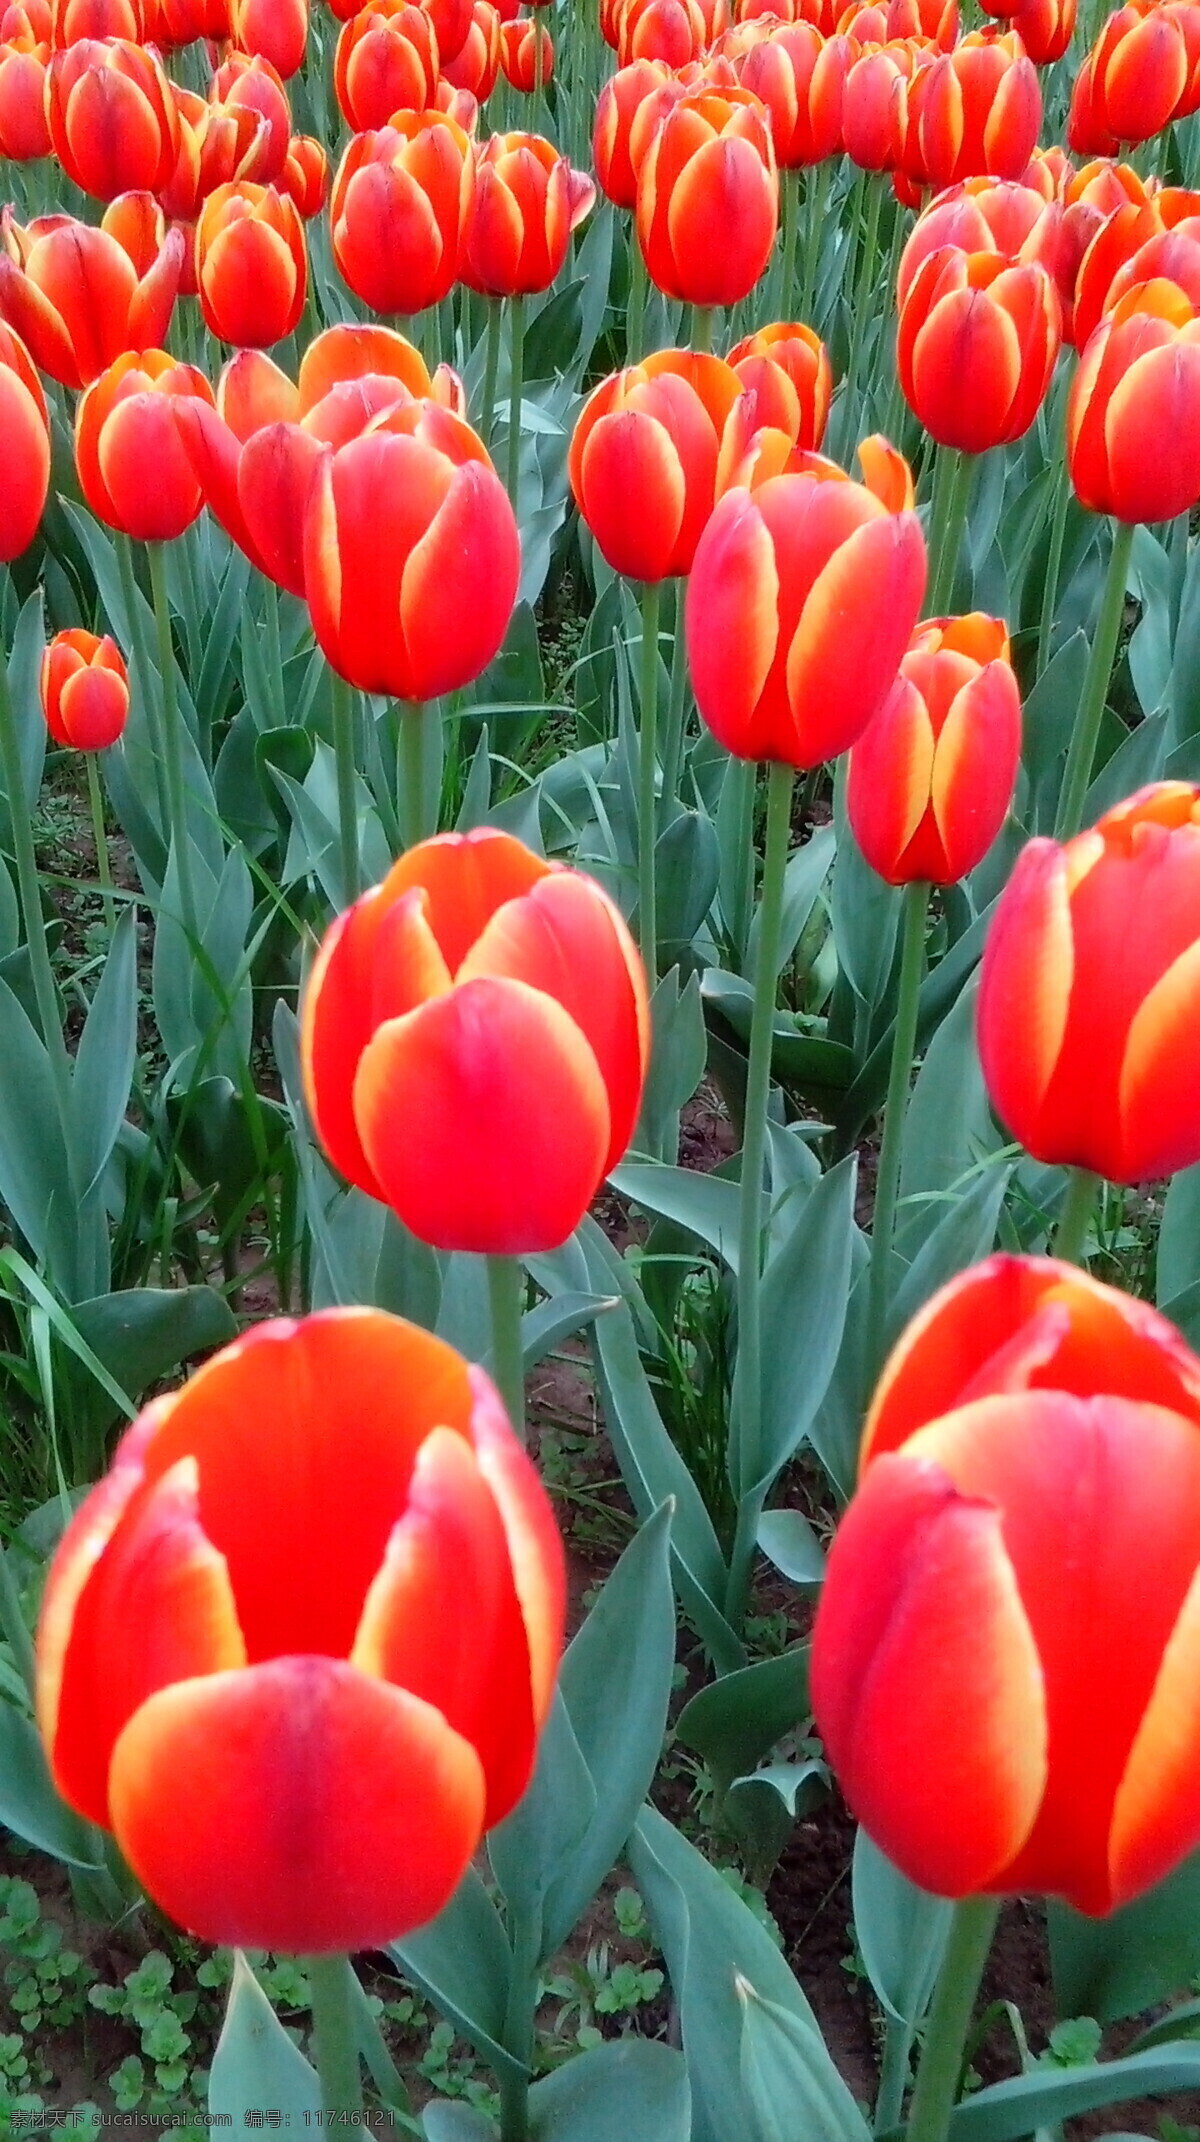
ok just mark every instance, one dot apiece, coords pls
pixel 600 1069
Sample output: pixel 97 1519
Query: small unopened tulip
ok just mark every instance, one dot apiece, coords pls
pixel 708 198
pixel 398 208
pixel 386 61
pixel 786 366
pixel 24 134
pixel 85 690
pixel 278 29
pixel 652 433
pixel 305 175
pixel 133 467
pixel 476 67
pixel 526 54
pixel 251 265
pixel 971 315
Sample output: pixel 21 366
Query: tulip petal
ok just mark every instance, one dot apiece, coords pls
pixel 1156 1815
pixel 722 215
pixel 1025 987
pixel 534 1542
pixel 466 878
pixel 296 1805
pixel 94 705
pixel 854 628
pixel 1160 1074
pixel 732 621
pixel 485 1119
pixel 889 778
pixel 926 1683
pixel 630 455
pixel 460 584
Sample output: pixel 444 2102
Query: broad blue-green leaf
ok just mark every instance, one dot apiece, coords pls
pixel 547 1827
pixel 902 1932
pixel 805 1290
pixel 104 1063
pixel 735 1721
pixel 633 2090
pixel 255 2065
pixel 461 1961
pixel 788 1540
pixel 789 2080
pixel 1179 1238
pixel 1012 2109
pixel 964 1233
pixel 676 1063
pixel 687 864
pixel 806 873
pixel 948 1127
pixel 544 1328
pixel 446 2121
pixel 35 1174
pixel 705 1204
pixel 1118 1966
pixel 142 1333
pixel 29 1804
pixel 616 1683
pixel 24 668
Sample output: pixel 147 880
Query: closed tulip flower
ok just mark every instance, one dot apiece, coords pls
pixel 802 600
pixel 73 20
pixel 672 31
pixel 301 1749
pixel 1089 1004
pixel 77 298
pixel 498 1001
pixel 1138 388
pixel 277 29
pixel 112 118
pixel 24 134
pixel 1134 80
pixel 976 109
pixel 305 175
pixel 786 367
pixel 986 215
pixel 652 433
pixel 398 208
pixel 932 775
pixel 708 198
pixel 182 22
pixel 874 117
pixel 526 54
pixel 251 265
pixel 249 80
pixel 799 77
pixel 451 20
pixel 85 690
pixel 971 315
pixel 526 201
pixel 386 61
pixel 617 106
pixel 478 64
pixel 218 144
pixel 133 465
pixel 1121 251
pixel 1045 28
pixel 24 447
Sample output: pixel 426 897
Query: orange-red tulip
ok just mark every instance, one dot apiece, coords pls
pixel 277 29
pixel 932 775
pixel 708 198
pixel 798 75
pixel 476 67
pixel 133 465
pixel 386 61
pixel 802 600
pixel 251 265
pixel 24 134
pixel 526 201
pixel 181 22
pixel 26 23
pixel 218 144
pixel 24 447
pixel 73 20
pixel 112 118
pixel 496 1000
pixel 786 367
pixel 672 31
pixel 998 1719
pixel 1088 1027
pixel 972 316
pixel 1108 265
pixel 305 175
pixel 976 109
pixel 411 555
pixel 78 299
pixel 874 117
pixel 1045 27
pixel 986 215
pixel 1136 78
pixel 398 208
pixel 526 52
pixel 249 80
pixel 85 690
pixel 934 20
pixel 295 1749
pixel 1133 417
pixel 652 433
pixel 452 21
pixel 617 107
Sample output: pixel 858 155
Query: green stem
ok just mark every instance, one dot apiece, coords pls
pixel 897 2049
pixel 1058 529
pixel 1075 1216
pixel 814 232
pixel 491 372
pixel 1086 731
pixel 518 2031
pixel 789 202
pixel 347 785
pixel 273 653
pixel 741 778
pixel 862 303
pixel 672 757
pixel 748 1382
pixel 635 318
pixel 29 891
pixel 647 771
pixel 958 478
pixel 335 2033
pixel 887 1181
pixel 373 2050
pixel 417 806
pixel 506 1288
pixel 141 664
pixel 100 840
pixel 702 328
pixel 14 1624
pixel 971 1931
pixel 172 742
pixel 516 328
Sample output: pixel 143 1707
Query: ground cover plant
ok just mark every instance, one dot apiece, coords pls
pixel 600 1126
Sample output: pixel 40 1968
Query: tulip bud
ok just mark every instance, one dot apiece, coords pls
pixel 976 109
pixel 24 134
pixel 251 265
pixel 305 175
pixel 249 80
pixel 802 600
pixel 1118 256
pixel 799 78
pixel 971 315
pixel 672 31
pixel 77 297
pixel 478 64
pixel 277 29
pixel 527 200
pixel 218 144
pixel 398 208
pixel 786 367
pixel 112 119
pixel 932 775
pixel 526 54
pixel 617 106
pixel 708 198
pixel 24 447
pixel 1087 1026
pixel 85 690
pixel 986 215
pixel 133 466
pixel 1138 386
pixel 386 61
pixel 652 433
pixel 1132 82
pixel 451 20
pixel 520 1046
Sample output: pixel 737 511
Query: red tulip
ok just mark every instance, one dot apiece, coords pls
pixel 276 29
pixel 498 1001
pixel 452 21
pixel 1088 1027
pixel 874 115
pixel 932 775
pixel 305 175
pixel 251 265
pixel 1135 80
pixel 248 80
pixel 526 54
pixel 297 1749
pixel 24 134
pixel 799 77
pixel 1138 388
pixel 1121 249
pixel 672 31
pixel 112 118
pixel 786 367
pixel 621 99
pixel 652 433
pixel 986 215
pixel 802 600
pixel 708 198
pixel 386 61
pixel 218 144
pixel 478 64
pixel 73 20
pixel 971 315
pixel 133 465
pixel 398 209
pixel 976 109
pixel 526 202
pixel 24 447
pixel 77 297
pixel 85 690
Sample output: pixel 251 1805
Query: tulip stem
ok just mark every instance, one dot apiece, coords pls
pixel 647 772
pixel 1084 735
pixel 1075 1215
pixel 861 305
pixel 29 890
pixel 812 239
pixel 100 840
pixel 491 372
pixel 971 1930
pixel 171 740
pixel 747 1404
pixel 347 785
pixel 1058 529
pixel 141 664
pixel 702 328
pixel 635 317
pixel 335 2034
pixel 506 1293
pixel 672 758
pixel 516 332
pixel 887 1180
pixel 952 498
pixel 418 808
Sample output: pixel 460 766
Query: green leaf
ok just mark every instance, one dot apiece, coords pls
pixel 1118 1966
pixel 902 1932
pixel 552 1321
pixel 24 669
pixel 547 1828
pixel 705 1204
pixel 964 1233
pixel 864 912
pixel 735 1721
pixel 1179 1238
pixel 616 1683
pixel 633 2090
pixel 948 1127
pixel 676 1063
pixel 687 864
pixel 141 1334
pixel 788 1540
pixel 256 2064
pixel 805 1290
pixel 35 1175
pixel 103 1071
pixel 1012 2109
pixel 806 872
pixel 29 1803
pixel 444 2121
pixel 461 1961
pixel 789 2079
